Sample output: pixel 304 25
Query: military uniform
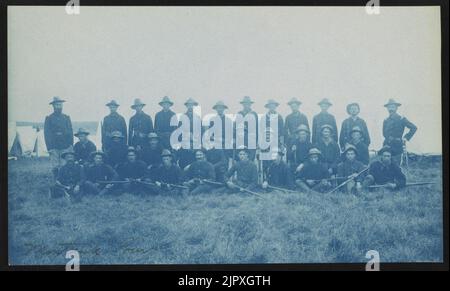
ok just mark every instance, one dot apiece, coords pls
pixel 116 153
pixel 393 129
pixel 151 155
pixel 347 127
pixel 321 119
pixel 380 174
pixel 249 135
pixel 363 151
pixel 317 172
pixel 113 122
pixel 132 170
pixel 279 175
pixel 330 153
pixel 95 173
pixel 141 125
pixel 185 157
pixel 348 168
pixel 166 175
pixel 69 176
pixel 199 170
pixel 83 151
pixel 243 174
pixel 58 134
pixel 218 159
pixel 162 124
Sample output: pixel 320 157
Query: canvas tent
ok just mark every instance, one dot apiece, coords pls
pixel 27 141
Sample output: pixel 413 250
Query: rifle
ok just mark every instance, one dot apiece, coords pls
pixel 281 189
pixel 170 185
pixel 406 185
pixel 113 182
pixel 240 188
pixel 348 180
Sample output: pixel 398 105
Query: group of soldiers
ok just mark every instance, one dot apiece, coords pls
pixel 139 158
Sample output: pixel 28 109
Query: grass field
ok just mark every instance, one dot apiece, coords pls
pixel 404 226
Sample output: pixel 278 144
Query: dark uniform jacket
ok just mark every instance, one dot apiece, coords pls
pixel 393 129
pixel 163 127
pixel 312 171
pixel 70 174
pixel 116 154
pixel 185 157
pixel 331 153
pixel 347 168
pixel 169 175
pixel 383 174
pixel 140 126
pixel 279 175
pixel 321 119
pixel 151 156
pixel 135 170
pixel 224 120
pixel 301 154
pixel 363 152
pixel 113 122
pixel 293 121
pixel 101 172
pixel 83 150
pixel 346 129
pixel 201 170
pixel 246 173
pixel 58 131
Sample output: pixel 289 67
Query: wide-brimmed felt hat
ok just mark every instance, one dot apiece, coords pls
pixel 325 101
pixel 302 127
pixel 67 152
pixel 81 131
pixel 165 99
pixel 57 99
pixel 246 100
pixel 220 104
pixel 137 103
pixel 392 102
pixel 191 101
pixel 349 147
pixel 385 149
pixel 271 102
pixel 350 105
pixel 166 153
pixel 294 101
pixel 314 151
pixel 117 133
pixel 326 126
pixel 112 103
pixel 152 135
pixel 95 153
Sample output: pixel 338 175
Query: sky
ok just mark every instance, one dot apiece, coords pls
pixel 225 53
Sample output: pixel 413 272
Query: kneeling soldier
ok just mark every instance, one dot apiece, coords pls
pixel 132 171
pixel 117 150
pixel 350 167
pixel 69 177
pixel 84 147
pixel 166 176
pixel 98 174
pixel 385 172
pixel 242 174
pixel 199 171
pixel 313 175
pixel 278 173
pixel 151 152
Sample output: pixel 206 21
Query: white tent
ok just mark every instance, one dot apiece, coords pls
pixel 28 141
pixel 11 134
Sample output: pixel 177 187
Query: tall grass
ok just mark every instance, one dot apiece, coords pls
pixel 403 226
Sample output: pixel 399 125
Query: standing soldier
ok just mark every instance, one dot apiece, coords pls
pixel 162 122
pixel 247 109
pixel 69 178
pixel 394 128
pixel 151 152
pixel 141 125
pixel 111 123
pixel 385 172
pixel 353 121
pixel 58 133
pixel 350 168
pixel 98 174
pixel 271 106
pixel 360 145
pixel 199 171
pixel 117 150
pixel 243 174
pixel 292 123
pixel 299 150
pixel 314 175
pixel 84 147
pixel 220 108
pixel 278 173
pixel 166 175
pixel 324 117
pixel 329 148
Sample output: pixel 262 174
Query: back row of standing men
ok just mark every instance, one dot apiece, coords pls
pixel 149 139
